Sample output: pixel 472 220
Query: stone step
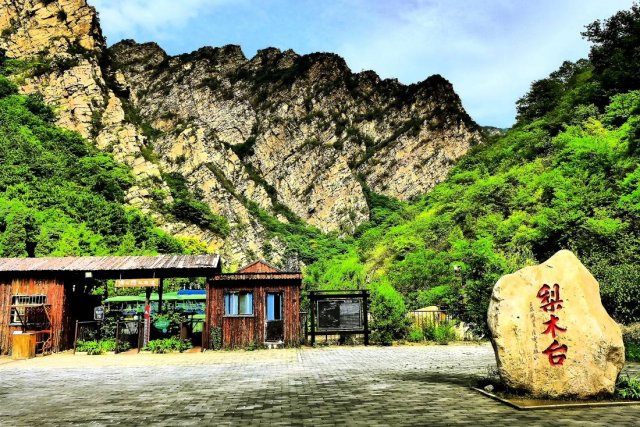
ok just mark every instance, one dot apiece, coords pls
pixel 273 345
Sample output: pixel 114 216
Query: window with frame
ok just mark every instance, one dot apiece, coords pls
pixel 238 304
pixel 274 306
pixel 20 313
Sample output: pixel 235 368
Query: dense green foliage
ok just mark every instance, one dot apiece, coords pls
pixel 97 347
pixel 632 352
pixel 388 314
pixel 628 387
pixel 168 345
pixel 631 337
pixel 567 176
pixel 185 207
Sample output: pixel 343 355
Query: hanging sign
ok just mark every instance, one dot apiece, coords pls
pixel 162 324
pixel 137 283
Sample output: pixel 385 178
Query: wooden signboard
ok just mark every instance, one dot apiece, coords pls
pixel 339 313
pixel 137 283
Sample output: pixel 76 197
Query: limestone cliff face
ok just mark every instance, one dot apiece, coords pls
pixel 61 56
pixel 300 137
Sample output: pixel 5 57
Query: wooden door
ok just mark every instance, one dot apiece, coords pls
pixel 274 314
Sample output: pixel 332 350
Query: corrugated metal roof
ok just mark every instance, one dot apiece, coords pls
pixel 109 263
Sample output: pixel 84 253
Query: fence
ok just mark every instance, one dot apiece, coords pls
pixel 304 327
pixel 87 331
pixel 434 317
pixel 128 334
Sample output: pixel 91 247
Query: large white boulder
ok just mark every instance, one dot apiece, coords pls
pixel 551 335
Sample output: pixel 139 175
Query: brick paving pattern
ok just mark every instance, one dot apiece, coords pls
pixel 374 386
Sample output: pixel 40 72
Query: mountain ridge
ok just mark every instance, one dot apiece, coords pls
pixel 300 137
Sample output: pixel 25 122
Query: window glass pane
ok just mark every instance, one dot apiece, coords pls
pixel 234 304
pixel 271 307
pixel 246 303
pixel 274 306
pixel 231 304
pixel 242 301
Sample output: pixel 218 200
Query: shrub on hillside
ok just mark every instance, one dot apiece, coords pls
pixel 389 314
pixel 444 333
pixel 415 334
pixel 7 87
pixel 631 337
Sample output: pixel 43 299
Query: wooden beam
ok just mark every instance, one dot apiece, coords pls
pixel 160 290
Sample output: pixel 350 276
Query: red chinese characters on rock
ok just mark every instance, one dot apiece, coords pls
pixel 550 298
pixel 551 302
pixel 556 353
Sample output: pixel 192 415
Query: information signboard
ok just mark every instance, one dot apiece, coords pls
pixel 98 313
pixel 339 314
pixel 137 283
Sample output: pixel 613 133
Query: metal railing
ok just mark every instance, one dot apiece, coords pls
pixel 434 317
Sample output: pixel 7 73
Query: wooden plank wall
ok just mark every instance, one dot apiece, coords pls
pixel 55 292
pixel 242 330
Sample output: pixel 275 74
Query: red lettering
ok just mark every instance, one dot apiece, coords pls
pixel 556 353
pixel 550 298
pixel 552 326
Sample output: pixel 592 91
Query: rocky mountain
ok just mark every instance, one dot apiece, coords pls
pixel 298 138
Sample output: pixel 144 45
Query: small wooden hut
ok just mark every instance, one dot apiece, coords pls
pixel 257 305
pixel 48 295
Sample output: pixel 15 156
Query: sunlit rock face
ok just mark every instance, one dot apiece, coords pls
pixel 300 137
pixel 551 334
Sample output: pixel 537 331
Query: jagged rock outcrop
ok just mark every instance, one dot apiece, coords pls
pixel 300 137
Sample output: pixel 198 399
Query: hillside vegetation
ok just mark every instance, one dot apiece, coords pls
pixel 567 175
pixel 59 195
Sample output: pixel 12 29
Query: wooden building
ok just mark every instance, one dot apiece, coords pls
pixel 48 295
pixel 259 304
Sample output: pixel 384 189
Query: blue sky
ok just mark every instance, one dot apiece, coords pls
pixel 490 50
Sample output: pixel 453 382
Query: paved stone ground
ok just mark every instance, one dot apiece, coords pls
pixel 406 385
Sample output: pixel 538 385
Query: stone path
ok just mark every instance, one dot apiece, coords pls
pixel 406 385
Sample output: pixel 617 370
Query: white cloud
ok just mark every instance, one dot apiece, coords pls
pixel 490 51
pixel 158 18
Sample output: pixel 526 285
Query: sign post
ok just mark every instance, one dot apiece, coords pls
pixel 147 318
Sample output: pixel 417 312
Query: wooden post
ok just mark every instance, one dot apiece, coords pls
pixel 140 333
pixel 117 336
pixel 75 339
pixel 160 291
pixel 304 318
pixel 147 318
pixel 365 306
pixel 313 318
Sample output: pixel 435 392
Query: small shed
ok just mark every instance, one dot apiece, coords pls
pixel 47 295
pixel 259 305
